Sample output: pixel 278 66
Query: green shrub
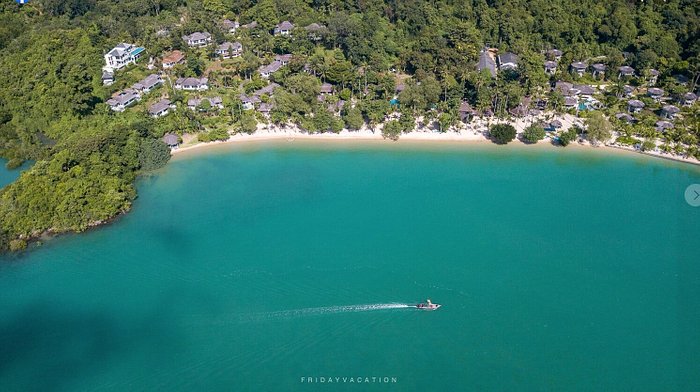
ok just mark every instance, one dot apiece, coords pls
pixel 502 133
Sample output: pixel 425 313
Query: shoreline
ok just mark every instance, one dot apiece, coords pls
pixel 428 137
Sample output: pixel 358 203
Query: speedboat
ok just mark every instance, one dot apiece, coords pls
pixel 427 305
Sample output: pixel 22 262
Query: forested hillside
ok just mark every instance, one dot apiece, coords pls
pixel 53 102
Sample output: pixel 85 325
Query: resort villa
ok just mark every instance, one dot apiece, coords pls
pixel 107 78
pixel 267 70
pixel 267 90
pixel 550 67
pixel 554 54
pixel 249 102
pixel 197 39
pixel 171 140
pixel 635 105
pixel 284 28
pixel 688 99
pixel 123 99
pixel 599 69
pixel 229 26
pixel 507 61
pixel 578 67
pixel 160 108
pixel 171 59
pixel 283 58
pixel 625 71
pixel 326 89
pixel 229 50
pixel 196 103
pixel 486 62
pixel 148 83
pixel 669 112
pixel 466 112
pixel 662 126
pixel 655 93
pixel 625 117
pixel 315 31
pixel 653 77
pixel 192 84
pixel 121 56
pixel 265 108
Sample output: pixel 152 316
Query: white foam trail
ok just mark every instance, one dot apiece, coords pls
pixel 304 312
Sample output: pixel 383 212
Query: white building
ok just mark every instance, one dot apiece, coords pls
pixel 123 99
pixel 197 39
pixel 121 56
pixel 192 84
pixel 228 50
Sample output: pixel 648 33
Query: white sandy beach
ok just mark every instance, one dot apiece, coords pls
pixel 473 132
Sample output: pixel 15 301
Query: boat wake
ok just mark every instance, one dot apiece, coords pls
pixel 325 310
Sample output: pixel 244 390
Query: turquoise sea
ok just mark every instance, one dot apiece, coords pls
pixel 7 176
pixel 252 268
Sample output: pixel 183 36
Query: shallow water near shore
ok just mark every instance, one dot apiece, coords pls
pixel 255 267
pixel 6 175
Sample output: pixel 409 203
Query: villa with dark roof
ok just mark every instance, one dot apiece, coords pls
pixel 160 108
pixel 123 99
pixel 267 90
pixel 669 111
pixel 107 78
pixel 550 67
pixel 554 54
pixel 229 50
pixel 599 69
pixel 171 140
pixel 284 28
pixel 579 67
pixel 688 99
pixel 315 31
pixel 486 62
pixel 326 88
pixel 214 103
pixel 249 101
pixel 192 84
pixel 655 93
pixel 229 26
pixel 635 106
pixel 197 39
pixel 662 126
pixel 653 77
pixel 507 60
pixel 625 71
pixel 148 83
pixel 266 70
pixel 265 108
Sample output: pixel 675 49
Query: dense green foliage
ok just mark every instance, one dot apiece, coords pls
pixel 391 130
pixel 567 137
pixel 534 133
pixel 502 133
pixel 598 128
pixel 153 154
pixel 52 106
